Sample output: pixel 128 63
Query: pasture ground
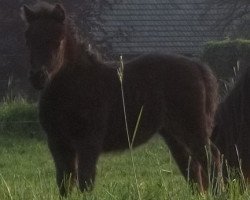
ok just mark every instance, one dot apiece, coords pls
pixel 27 171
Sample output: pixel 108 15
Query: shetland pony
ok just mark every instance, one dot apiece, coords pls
pixel 81 109
pixel 232 128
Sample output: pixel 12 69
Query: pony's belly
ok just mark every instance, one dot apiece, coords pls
pixel 116 137
pixel 119 141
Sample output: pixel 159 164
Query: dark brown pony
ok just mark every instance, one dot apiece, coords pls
pixel 232 127
pixel 81 107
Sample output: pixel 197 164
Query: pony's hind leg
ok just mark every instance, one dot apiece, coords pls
pixel 65 162
pixel 190 168
pixel 216 176
pixel 204 152
pixel 192 156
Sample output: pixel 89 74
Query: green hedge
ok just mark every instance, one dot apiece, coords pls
pixel 222 56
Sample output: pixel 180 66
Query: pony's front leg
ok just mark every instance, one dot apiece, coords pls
pixel 65 162
pixel 88 152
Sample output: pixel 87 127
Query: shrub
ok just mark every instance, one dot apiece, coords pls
pixel 222 56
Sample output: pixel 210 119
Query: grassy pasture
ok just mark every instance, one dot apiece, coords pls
pixel 27 171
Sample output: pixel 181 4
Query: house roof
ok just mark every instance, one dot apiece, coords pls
pixel 169 26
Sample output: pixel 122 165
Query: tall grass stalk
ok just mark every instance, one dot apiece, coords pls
pixel 7 187
pixel 242 178
pixel 215 182
pixel 120 72
pixel 230 84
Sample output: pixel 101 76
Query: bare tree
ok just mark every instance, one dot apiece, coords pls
pixel 236 18
pixel 87 14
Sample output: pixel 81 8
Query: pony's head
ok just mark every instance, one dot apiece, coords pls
pixel 45 39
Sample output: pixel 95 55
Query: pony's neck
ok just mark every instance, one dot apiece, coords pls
pixel 76 52
pixel 72 48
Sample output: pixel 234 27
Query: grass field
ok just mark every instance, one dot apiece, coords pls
pixel 27 171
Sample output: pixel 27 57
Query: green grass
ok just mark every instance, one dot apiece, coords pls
pixel 18 117
pixel 27 170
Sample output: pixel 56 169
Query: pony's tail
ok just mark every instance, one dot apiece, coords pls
pixel 212 98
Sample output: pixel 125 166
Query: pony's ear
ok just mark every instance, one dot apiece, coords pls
pixel 58 13
pixel 27 14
